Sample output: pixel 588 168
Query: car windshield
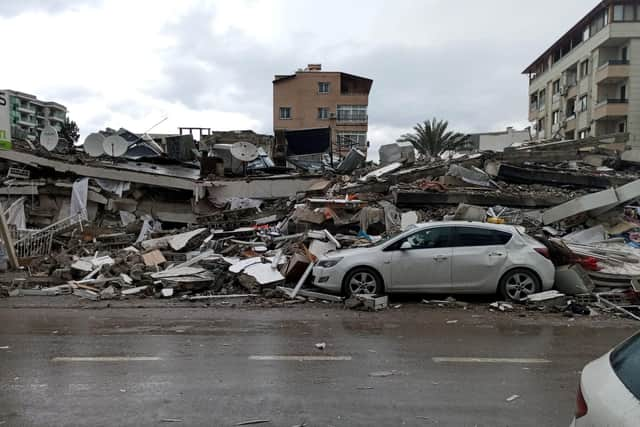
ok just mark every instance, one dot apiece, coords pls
pixel 625 361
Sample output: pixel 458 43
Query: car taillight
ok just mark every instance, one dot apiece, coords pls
pixel 543 251
pixel 581 404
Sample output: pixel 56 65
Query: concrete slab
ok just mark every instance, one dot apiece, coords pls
pixel 580 205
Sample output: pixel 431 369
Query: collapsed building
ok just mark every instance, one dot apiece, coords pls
pixel 140 219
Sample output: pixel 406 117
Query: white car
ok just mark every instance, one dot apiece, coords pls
pixel 609 390
pixel 442 258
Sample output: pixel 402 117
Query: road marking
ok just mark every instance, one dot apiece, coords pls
pixel 302 358
pixel 106 359
pixel 487 360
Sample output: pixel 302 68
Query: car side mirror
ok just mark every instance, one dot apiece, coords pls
pixel 405 245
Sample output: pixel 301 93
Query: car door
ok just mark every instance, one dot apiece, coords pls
pixel 425 265
pixel 478 257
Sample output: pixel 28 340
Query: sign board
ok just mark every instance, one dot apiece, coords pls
pixel 5 121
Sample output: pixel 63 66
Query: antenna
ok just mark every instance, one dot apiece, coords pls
pixel 93 144
pixel 115 145
pixel 245 152
pixel 49 138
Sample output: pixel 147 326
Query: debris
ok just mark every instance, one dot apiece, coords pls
pixel 321 346
pixel 153 258
pixel 251 422
pixel 501 306
pixel 512 398
pixel 171 420
pixel 372 302
pixel 381 374
pixel 451 322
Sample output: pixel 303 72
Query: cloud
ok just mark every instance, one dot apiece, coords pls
pixel 204 63
pixel 9 8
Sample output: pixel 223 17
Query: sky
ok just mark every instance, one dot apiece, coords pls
pixel 133 63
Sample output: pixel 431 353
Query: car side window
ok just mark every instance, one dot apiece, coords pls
pixel 473 236
pixel 430 238
pixel 625 361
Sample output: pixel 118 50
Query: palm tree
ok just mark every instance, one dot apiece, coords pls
pixel 431 138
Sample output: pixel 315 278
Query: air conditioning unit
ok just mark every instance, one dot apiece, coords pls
pixel 332 115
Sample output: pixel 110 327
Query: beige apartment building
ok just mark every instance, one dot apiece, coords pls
pixel 28 115
pixel 314 99
pixel 588 82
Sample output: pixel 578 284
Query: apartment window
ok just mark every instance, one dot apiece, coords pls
pixel 571 107
pixel 542 99
pixel 352 113
pixel 323 113
pixel 618 12
pixel 556 87
pixel 348 140
pixel 583 133
pixel 534 102
pixel 585 34
pixel 583 103
pixel 624 53
pixel 540 127
pixel 285 113
pixel 323 87
pixel 555 117
pixel 623 92
pixel 584 69
pixel 622 127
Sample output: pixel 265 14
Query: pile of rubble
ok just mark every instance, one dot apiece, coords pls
pixel 117 228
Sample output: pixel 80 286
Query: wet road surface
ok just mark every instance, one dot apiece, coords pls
pixel 220 367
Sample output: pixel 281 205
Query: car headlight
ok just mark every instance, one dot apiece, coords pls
pixel 328 263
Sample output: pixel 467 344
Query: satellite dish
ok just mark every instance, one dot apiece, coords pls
pixel 93 145
pixel 244 151
pixel 49 138
pixel 115 145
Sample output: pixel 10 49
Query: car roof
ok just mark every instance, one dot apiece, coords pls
pixel 485 225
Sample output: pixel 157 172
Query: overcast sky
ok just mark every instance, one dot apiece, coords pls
pixel 130 63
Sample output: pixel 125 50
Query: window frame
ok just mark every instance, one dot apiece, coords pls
pixel 456 236
pixel 323 116
pixel 619 356
pixel 395 246
pixel 321 85
pixel 555 87
pixel 584 107
pixel 288 116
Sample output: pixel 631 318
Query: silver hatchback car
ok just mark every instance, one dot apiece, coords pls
pixel 442 257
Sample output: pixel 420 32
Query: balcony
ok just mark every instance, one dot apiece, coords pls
pixel 24 109
pixel 613 70
pixel 572 92
pixel 55 119
pixel 611 108
pixel 570 123
pixel 24 122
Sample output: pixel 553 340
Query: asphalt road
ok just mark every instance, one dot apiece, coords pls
pixel 221 367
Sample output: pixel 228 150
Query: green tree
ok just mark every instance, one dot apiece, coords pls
pixel 70 131
pixel 432 138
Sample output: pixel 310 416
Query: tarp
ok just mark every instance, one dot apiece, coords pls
pixel 79 194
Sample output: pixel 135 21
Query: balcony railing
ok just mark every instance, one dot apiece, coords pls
pixel 614 62
pixel 612 101
pixel 352 118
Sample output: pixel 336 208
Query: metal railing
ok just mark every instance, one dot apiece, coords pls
pixel 30 243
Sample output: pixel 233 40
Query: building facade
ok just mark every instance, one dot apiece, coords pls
pixel 27 115
pixel 588 82
pixel 313 99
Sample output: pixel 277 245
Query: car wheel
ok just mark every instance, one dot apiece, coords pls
pixel 518 284
pixel 362 281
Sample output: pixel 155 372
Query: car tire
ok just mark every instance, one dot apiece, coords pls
pixel 519 283
pixel 362 280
